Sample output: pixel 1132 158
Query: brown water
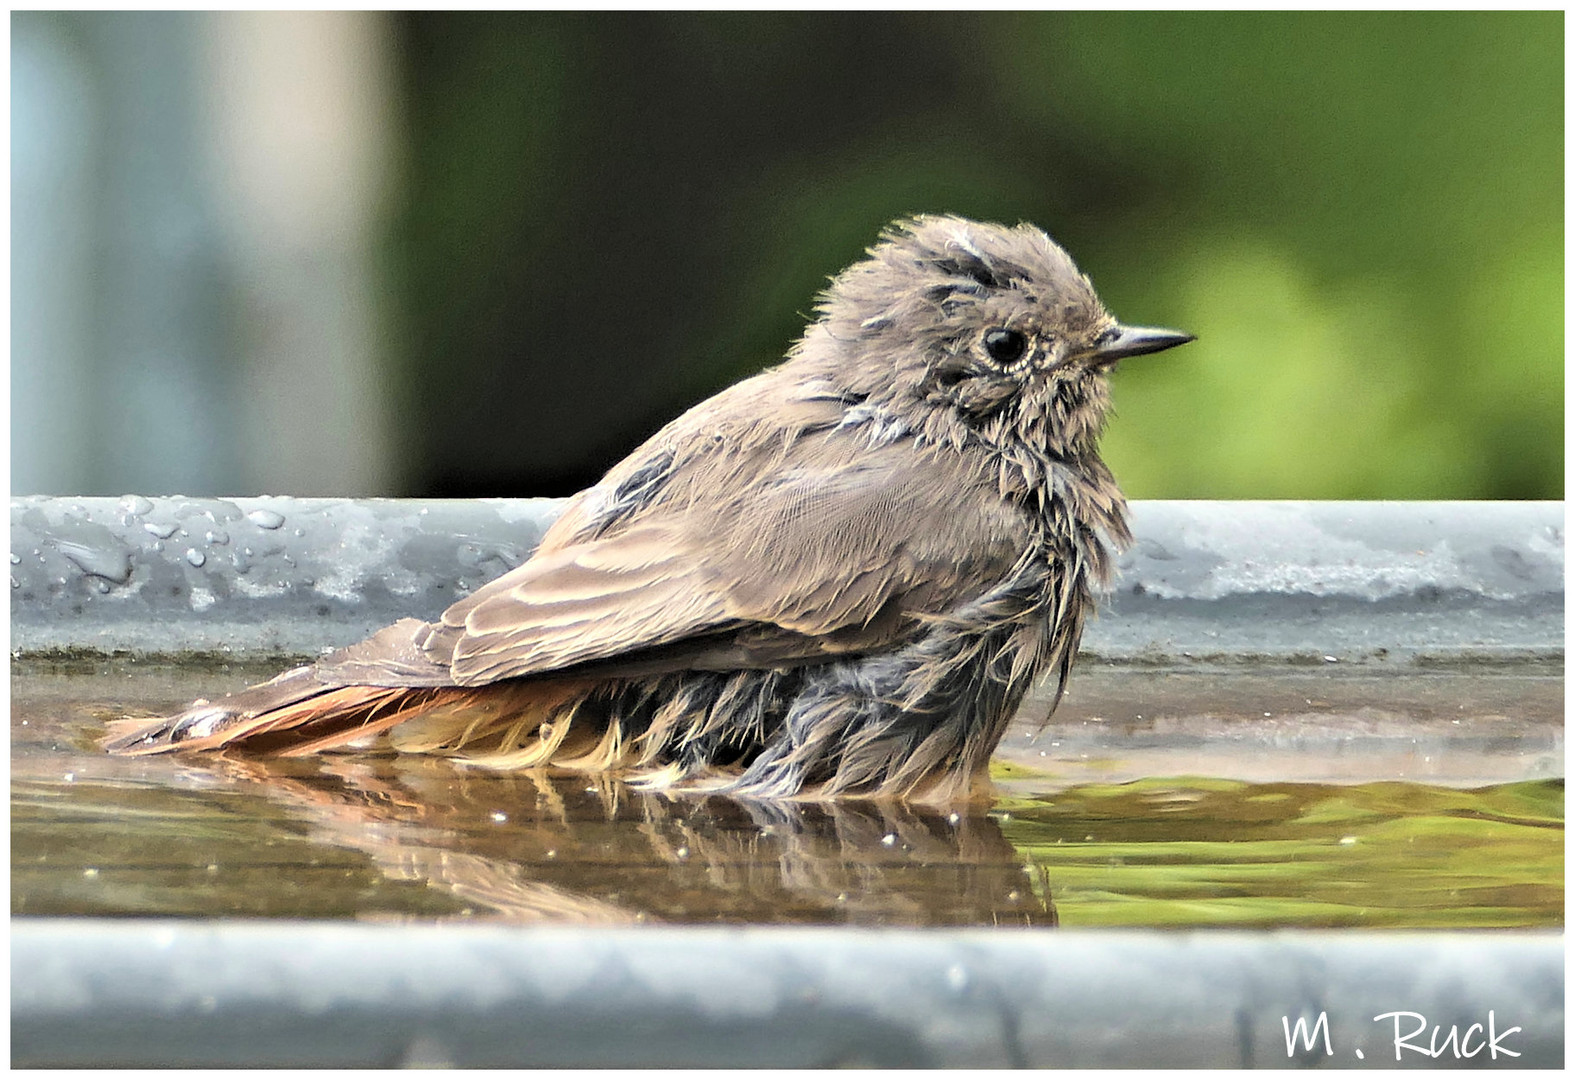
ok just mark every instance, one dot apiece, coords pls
pixel 1153 798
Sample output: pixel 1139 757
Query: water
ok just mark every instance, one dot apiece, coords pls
pixel 108 560
pixel 1284 799
pixel 265 519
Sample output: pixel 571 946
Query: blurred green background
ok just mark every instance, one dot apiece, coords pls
pixel 583 223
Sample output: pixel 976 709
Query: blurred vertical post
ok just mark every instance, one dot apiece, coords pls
pixel 298 108
pixel 52 125
pixel 197 201
pixel 117 378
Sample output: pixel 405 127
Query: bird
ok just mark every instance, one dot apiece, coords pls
pixel 836 578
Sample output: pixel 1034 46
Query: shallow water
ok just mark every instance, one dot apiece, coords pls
pixel 1152 798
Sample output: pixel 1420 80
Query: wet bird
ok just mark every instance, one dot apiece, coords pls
pixel 838 577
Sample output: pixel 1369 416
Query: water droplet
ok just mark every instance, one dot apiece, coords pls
pixel 217 536
pixel 158 545
pixel 499 816
pixel 265 519
pixel 90 872
pixel 240 561
pixel 112 563
pixel 101 585
pixel 15 558
pixel 70 776
pixel 195 557
pixel 135 504
pixel 889 839
pixel 300 532
pixel 15 584
pixel 160 530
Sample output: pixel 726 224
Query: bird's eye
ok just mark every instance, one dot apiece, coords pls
pixel 1005 346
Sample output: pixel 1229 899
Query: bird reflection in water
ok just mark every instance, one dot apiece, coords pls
pixel 538 847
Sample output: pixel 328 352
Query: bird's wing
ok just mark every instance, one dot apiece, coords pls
pixel 775 556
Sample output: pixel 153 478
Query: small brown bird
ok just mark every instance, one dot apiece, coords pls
pixel 837 577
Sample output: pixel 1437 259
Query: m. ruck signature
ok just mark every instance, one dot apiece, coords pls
pixel 1455 1043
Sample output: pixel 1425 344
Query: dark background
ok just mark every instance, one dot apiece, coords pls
pixel 590 221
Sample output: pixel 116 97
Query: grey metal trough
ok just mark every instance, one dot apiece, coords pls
pixel 1205 581
pixel 1401 587
pixel 152 994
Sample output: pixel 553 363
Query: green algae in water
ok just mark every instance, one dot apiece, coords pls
pixel 1193 852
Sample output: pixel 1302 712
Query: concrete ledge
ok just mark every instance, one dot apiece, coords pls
pixel 1217 582
pixel 142 994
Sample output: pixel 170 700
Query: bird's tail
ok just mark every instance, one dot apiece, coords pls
pixel 513 724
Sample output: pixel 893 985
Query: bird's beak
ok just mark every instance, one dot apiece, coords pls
pixel 1136 341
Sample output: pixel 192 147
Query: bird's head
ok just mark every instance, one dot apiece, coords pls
pixel 994 325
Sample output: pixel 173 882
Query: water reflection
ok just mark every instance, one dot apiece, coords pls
pixel 530 847
pixel 1163 823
